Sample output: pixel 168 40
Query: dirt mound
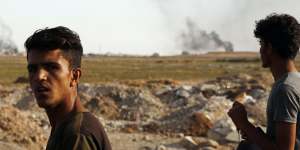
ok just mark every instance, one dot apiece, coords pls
pixel 18 128
pixel 103 106
pixel 160 107
pixel 128 103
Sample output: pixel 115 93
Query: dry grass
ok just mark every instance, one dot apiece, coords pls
pixel 182 68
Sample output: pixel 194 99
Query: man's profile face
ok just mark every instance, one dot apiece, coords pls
pixel 49 77
pixel 264 54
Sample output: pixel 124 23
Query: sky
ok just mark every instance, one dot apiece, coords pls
pixel 141 27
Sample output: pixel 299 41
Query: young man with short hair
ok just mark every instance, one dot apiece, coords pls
pixel 279 36
pixel 54 67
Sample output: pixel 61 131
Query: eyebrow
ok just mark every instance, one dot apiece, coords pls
pixel 42 64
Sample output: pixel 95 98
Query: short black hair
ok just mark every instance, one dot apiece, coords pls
pixel 57 38
pixel 282 31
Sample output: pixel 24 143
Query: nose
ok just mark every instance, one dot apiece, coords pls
pixel 40 74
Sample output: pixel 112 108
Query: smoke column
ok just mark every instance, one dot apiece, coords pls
pixel 195 39
pixel 6 43
pixel 233 20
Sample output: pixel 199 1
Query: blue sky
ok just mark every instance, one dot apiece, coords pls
pixel 141 26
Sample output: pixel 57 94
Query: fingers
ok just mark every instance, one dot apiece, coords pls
pixel 237 107
pixel 230 112
pixel 237 104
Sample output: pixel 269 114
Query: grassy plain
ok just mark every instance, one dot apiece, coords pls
pixel 98 69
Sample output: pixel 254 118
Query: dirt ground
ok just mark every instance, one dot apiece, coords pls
pixel 142 141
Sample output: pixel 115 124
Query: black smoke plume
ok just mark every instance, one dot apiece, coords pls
pixel 196 39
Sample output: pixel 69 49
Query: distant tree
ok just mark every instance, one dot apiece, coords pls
pixel 185 53
pixel 155 54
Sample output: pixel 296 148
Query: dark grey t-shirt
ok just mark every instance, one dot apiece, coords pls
pixel 284 103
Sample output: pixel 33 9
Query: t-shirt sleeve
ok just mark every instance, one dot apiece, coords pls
pixel 287 105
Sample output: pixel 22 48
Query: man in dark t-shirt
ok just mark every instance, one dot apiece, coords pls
pixel 54 67
pixel 81 131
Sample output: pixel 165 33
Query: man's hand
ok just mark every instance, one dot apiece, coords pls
pixel 238 114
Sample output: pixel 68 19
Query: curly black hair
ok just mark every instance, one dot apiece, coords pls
pixel 282 31
pixel 57 38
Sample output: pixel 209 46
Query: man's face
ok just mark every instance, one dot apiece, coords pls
pixel 264 54
pixel 49 77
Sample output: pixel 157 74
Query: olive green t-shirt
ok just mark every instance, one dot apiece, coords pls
pixel 81 131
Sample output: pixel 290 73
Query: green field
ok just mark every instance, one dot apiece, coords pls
pixel 112 68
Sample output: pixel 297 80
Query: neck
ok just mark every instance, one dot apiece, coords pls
pixel 280 68
pixel 61 112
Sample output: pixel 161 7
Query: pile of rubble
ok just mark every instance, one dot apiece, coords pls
pixel 17 127
pixel 193 112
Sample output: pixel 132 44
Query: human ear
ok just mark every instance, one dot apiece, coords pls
pixel 75 76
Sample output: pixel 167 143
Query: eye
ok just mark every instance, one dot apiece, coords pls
pixel 31 68
pixel 51 67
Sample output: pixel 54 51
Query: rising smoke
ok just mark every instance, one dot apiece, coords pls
pixel 7 45
pixel 196 39
pixel 232 20
pixel 196 23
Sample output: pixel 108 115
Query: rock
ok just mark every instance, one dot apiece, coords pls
pixel 210 143
pixel 257 93
pixel 187 87
pixel 189 143
pixel 195 143
pixel 130 128
pixel 209 90
pixel 257 111
pixel 84 97
pixel 15 95
pixel 179 103
pixel 142 105
pixel 221 129
pixel 205 87
pixel 244 77
pixel 161 147
pixel 164 90
pixel 216 108
pixel 27 103
pixel 152 127
pixel 181 135
pixel 182 93
pixel 199 97
pixel 146 138
pixel 202 118
pixel 103 106
pixel 233 137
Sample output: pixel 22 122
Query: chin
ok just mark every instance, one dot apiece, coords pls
pixel 44 102
pixel 43 105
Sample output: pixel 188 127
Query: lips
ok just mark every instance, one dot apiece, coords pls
pixel 41 90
